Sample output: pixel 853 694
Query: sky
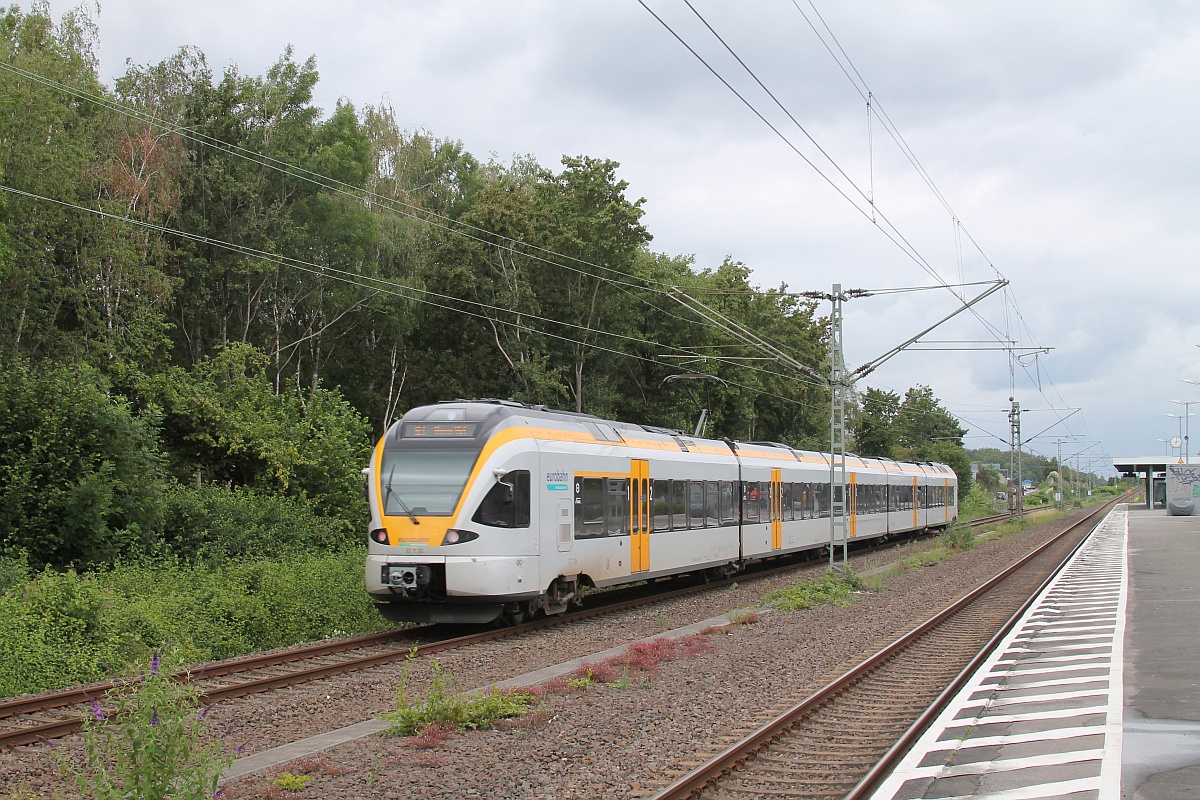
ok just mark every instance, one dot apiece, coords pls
pixel 1049 144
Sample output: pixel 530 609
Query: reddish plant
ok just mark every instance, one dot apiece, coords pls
pixel 432 736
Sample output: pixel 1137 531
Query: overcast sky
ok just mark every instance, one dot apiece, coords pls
pixel 1061 137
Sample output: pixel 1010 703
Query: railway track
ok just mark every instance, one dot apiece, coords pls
pixel 837 742
pixel 53 715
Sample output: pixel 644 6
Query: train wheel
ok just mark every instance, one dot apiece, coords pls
pixel 514 614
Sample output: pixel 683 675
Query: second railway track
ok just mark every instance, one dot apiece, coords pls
pixel 832 744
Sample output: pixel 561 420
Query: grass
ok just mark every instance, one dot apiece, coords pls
pixel 832 587
pixel 444 707
pixel 62 628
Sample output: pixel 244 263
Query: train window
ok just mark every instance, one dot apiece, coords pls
pixel 506 505
pixel 695 504
pixel 764 501
pixel 589 507
pixel 679 505
pixel 712 517
pixel 616 511
pixel 822 491
pixel 660 505
pixel 787 501
pixel 750 501
pixel 728 507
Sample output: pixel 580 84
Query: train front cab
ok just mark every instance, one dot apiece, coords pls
pixel 453 537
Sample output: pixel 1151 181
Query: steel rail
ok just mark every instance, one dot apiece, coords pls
pixel 97 692
pixel 727 761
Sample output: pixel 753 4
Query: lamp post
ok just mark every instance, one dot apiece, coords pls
pixel 1187 407
pixel 1188 457
pixel 1166 446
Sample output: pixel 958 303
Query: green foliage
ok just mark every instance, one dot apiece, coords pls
pixel 148 744
pixel 290 782
pixel 217 522
pixel 81 477
pixel 875 431
pixel 832 587
pixel 63 628
pixel 443 704
pixel 223 422
pixel 959 536
pixel 977 503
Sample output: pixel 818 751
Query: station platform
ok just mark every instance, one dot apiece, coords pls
pixel 1095 694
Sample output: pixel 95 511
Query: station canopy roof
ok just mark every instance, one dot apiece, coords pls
pixel 1145 463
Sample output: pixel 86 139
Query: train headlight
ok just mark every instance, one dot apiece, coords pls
pixel 379 536
pixel 458 537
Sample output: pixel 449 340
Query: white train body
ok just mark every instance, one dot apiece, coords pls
pixel 490 508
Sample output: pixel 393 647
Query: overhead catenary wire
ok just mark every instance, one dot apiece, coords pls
pixel 856 79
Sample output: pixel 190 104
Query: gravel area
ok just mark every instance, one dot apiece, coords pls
pixel 613 741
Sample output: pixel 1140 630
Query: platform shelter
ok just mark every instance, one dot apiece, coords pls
pixel 1153 471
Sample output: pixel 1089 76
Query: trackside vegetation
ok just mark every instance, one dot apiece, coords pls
pixel 215 296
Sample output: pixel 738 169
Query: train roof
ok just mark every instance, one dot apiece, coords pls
pixel 493 412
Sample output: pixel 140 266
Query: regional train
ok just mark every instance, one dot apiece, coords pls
pixel 495 510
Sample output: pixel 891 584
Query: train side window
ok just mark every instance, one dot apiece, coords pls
pixel 695 504
pixel 764 501
pixel 678 505
pixel 728 512
pixel 589 507
pixel 750 501
pixel 660 505
pixel 787 502
pixel 506 505
pixel 712 517
pixel 616 511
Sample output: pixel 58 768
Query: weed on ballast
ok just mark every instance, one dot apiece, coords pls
pixel 148 743
pixel 444 704
pixel 833 587
pixel 959 536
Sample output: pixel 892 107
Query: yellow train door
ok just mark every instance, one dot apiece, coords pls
pixel 639 515
pixel 853 503
pixel 916 504
pixel 776 509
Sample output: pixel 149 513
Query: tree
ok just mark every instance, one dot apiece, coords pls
pixel 875 428
pixel 81 476
pixel 921 420
pixel 596 232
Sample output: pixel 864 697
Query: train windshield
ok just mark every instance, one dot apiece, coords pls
pixel 425 482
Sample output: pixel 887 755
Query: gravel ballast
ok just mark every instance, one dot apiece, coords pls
pixel 619 740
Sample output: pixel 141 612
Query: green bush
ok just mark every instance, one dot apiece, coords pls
pixel 62 628
pixel 81 476
pixel 224 424
pixel 976 504
pixel 444 704
pixel 958 536
pixel 151 745
pixel 220 522
pixel 831 587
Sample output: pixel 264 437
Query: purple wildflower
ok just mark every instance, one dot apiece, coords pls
pixel 97 712
pixel 154 719
pixel 203 714
pixel 154 665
